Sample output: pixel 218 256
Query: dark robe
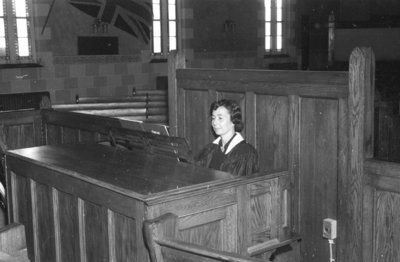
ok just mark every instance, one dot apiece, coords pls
pixel 240 160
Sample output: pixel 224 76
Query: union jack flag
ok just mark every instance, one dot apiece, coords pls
pixel 131 16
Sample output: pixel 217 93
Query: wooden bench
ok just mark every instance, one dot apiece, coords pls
pixel 161 237
pixel 143 105
pixel 13 243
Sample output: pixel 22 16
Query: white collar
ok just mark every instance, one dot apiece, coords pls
pixel 236 140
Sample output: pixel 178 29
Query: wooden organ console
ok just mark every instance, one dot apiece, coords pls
pixel 88 202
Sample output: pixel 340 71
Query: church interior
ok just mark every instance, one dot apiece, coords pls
pixel 104 105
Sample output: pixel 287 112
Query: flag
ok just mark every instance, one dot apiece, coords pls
pixel 132 16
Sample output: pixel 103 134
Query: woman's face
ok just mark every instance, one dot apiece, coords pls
pixel 221 121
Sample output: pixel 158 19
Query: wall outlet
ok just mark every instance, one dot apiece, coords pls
pixel 329 228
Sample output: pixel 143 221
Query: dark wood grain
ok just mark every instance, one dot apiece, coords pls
pixel 194 119
pixel 118 168
pixel 96 232
pixel 381 201
pixel 68 226
pixel 272 132
pixel 21 129
pixel 356 148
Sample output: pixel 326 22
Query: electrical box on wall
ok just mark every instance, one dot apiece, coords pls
pixel 329 228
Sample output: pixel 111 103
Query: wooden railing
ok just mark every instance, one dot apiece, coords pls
pixel 161 236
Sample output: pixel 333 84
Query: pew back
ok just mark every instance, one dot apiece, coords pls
pixel 300 122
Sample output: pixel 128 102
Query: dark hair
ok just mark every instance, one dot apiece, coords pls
pixel 233 109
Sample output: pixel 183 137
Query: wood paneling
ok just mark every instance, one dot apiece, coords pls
pixel 272 131
pixel 95 232
pixel 292 124
pixel 21 129
pixel 387 136
pixel 199 116
pixel 381 211
pixel 43 226
pixel 387 225
pixel 318 150
pixel 67 218
pixel 125 235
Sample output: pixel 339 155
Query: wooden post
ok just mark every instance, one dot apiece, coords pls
pixel 361 77
pixel 176 60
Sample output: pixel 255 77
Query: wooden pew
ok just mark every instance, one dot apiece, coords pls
pixel 13 244
pixel 307 123
pixel 143 105
pixel 161 237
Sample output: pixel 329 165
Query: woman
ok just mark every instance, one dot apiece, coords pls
pixel 229 152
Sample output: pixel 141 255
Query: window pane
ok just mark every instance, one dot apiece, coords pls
pixel 20 8
pixel 267 43
pixel 279 4
pixel 172 43
pixel 171 12
pixel 279 43
pixel 278 28
pixel 23 47
pixel 2 30
pixel 22 27
pixel 157 28
pixel 267 28
pixel 171 2
pixel 267 4
pixel 156 10
pixel 1 8
pixel 3 46
pixel 157 44
pixel 172 28
pixel 279 14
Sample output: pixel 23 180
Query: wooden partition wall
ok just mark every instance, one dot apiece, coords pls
pixel 303 122
pixel 20 129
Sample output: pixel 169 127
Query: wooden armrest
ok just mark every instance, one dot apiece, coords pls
pixel 270 245
pixel 204 252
